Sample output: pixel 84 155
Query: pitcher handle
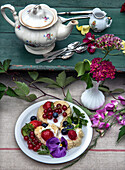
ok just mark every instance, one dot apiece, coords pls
pixel 108 25
pixel 12 9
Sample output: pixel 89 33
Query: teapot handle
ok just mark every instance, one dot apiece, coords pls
pixel 109 18
pixel 12 9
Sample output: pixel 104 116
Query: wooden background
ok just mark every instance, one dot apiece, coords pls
pixel 12 48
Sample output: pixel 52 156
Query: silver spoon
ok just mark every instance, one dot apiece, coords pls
pixel 64 57
pixel 70 46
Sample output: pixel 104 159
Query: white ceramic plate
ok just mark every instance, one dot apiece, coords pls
pixel 71 154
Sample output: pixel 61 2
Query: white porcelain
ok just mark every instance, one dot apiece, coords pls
pixel 93 98
pixel 98 20
pixel 38 26
pixel 70 155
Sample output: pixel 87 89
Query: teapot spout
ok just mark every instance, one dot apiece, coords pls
pixel 64 30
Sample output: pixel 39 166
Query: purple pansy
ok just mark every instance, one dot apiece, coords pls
pixel 122 100
pixel 57 148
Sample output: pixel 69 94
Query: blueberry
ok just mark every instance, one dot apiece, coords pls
pixel 55 115
pixel 44 125
pixel 33 118
pixel 65 123
pixel 64 131
pixel 70 127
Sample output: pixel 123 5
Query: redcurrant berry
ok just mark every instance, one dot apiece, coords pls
pixel 50 117
pixel 55 120
pixel 64 107
pixel 50 113
pixel 58 105
pixel 44 116
pixel 64 114
pixel 26 138
pixel 30 146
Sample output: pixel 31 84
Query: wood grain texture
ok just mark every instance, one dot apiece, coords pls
pixel 67 3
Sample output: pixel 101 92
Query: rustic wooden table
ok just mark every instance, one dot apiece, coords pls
pixel 11 47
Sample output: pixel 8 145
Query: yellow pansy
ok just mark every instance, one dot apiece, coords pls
pixel 84 29
pixel 123 43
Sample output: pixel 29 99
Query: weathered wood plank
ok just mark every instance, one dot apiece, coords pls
pixel 117 27
pixel 69 3
pixel 12 48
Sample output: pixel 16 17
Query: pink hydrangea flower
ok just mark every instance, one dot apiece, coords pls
pixel 102 69
pixel 122 100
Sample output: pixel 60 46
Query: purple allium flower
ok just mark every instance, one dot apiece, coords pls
pixel 122 100
pixel 57 148
pixel 89 37
pixel 102 69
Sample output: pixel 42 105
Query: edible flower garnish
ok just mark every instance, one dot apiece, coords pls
pixel 84 29
pixel 57 148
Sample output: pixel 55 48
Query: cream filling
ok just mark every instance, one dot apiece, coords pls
pixel 59 118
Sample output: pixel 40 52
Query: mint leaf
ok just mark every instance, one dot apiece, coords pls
pixel 69 120
pixel 2 87
pixel 76 111
pixel 27 129
pixel 80 68
pixel 6 64
pixel 22 89
pixel 68 97
pixel 121 133
pixel 44 152
pixel 61 79
pixel 86 111
pixel 34 75
pixel 10 92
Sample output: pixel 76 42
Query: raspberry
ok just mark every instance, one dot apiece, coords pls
pixel 72 134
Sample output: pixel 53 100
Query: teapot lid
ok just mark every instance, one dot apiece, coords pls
pixel 38 16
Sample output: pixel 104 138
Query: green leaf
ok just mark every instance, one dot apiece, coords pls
pixel 1 94
pixel 45 152
pixel 10 92
pixel 2 87
pixel 53 86
pixel 6 64
pixel 121 133
pixel 87 78
pixel 1 66
pixel 69 80
pixel 61 79
pixel 31 97
pixel 80 68
pixel 87 65
pixel 46 80
pixel 104 89
pixel 2 71
pixel 26 129
pixel 34 75
pixel 76 111
pixel 68 97
pixel 86 111
pixel 119 90
pixel 69 120
pixel 22 89
pixel 84 122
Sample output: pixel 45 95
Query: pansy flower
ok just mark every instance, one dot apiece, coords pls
pixel 57 148
pixel 123 8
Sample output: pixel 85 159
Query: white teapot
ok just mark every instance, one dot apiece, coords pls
pixel 38 26
pixel 98 20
